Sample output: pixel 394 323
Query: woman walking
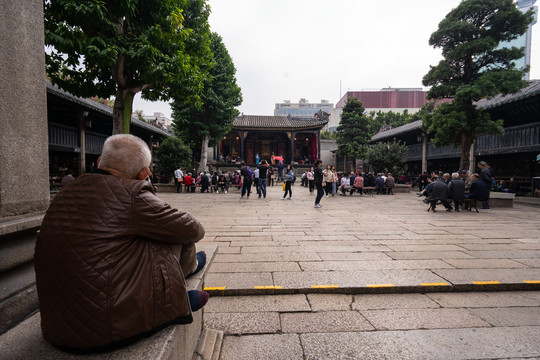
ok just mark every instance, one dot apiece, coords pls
pixel 289 177
pixel 318 179
pixel 328 178
pixel 334 181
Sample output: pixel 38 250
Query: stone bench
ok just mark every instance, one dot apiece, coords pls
pixel 183 342
pixel 501 199
pixel 402 188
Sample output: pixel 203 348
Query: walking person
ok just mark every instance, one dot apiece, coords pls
pixel 311 180
pixel 328 177
pixel 246 174
pixel 289 177
pixel 263 173
pixel 178 178
pixel 256 180
pixel 318 180
pixel 334 181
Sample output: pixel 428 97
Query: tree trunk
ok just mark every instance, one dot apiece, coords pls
pixel 466 142
pixel 204 154
pixel 123 103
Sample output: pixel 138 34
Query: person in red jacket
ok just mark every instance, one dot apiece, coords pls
pixel 111 257
pixel 189 181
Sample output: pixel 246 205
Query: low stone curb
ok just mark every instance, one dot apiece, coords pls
pixel 377 289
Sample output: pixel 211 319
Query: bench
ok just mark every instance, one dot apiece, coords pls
pixel 501 199
pixel 368 190
pixel 470 204
pixel 174 342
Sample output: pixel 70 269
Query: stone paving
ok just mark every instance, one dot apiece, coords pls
pixel 368 277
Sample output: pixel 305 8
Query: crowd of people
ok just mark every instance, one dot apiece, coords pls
pixel 451 190
pixel 458 187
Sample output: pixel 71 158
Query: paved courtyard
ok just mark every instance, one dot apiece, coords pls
pixel 368 277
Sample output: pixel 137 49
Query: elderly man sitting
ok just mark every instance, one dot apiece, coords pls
pixel 111 256
pixel 438 191
pixel 479 191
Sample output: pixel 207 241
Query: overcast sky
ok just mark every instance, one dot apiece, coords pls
pixel 292 49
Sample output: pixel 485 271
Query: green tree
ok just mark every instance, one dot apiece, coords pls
pixel 352 134
pixel 379 118
pixel 204 124
pixel 328 135
pixel 122 47
pixel 387 157
pixel 172 153
pixel 474 67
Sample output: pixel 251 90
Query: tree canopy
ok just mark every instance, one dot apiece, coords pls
pixel 475 66
pixel 380 118
pixel 203 124
pixel 387 157
pixel 352 134
pixel 172 153
pixel 122 47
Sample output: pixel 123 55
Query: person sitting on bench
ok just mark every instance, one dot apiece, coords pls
pixel 438 191
pixel 479 191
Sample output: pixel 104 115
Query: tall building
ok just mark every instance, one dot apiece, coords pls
pixel 388 99
pixel 302 109
pixel 525 39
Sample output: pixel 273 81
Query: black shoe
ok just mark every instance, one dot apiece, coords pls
pixel 449 209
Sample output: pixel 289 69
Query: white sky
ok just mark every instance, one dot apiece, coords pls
pixel 292 49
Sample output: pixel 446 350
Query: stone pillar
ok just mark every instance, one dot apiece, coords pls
pixel 24 158
pixel 82 141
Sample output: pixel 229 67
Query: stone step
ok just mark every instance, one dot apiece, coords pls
pixel 17 249
pixel 209 347
pixel 18 296
pixel 176 342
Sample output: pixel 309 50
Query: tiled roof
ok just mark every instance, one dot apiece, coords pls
pixel 101 108
pixel 415 125
pixel 276 122
pixel 529 91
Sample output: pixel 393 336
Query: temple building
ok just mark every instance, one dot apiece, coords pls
pixel 296 140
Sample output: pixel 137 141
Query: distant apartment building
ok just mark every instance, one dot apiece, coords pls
pixel 302 109
pixel 158 120
pixel 388 99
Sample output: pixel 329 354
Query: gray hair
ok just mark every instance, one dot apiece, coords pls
pixel 455 175
pixel 125 153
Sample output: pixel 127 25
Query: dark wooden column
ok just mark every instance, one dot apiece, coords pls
pixel 319 143
pixel 292 146
pixel 242 145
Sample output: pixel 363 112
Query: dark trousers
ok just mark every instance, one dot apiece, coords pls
pixel 262 187
pixel 311 185
pixel 444 202
pixel 320 193
pixel 246 188
pixel 287 189
pixel 328 188
pixel 256 184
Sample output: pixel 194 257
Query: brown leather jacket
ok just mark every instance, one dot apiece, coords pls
pixel 105 271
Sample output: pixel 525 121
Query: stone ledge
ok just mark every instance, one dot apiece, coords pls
pixel 175 342
pixel 499 199
pixel 12 225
